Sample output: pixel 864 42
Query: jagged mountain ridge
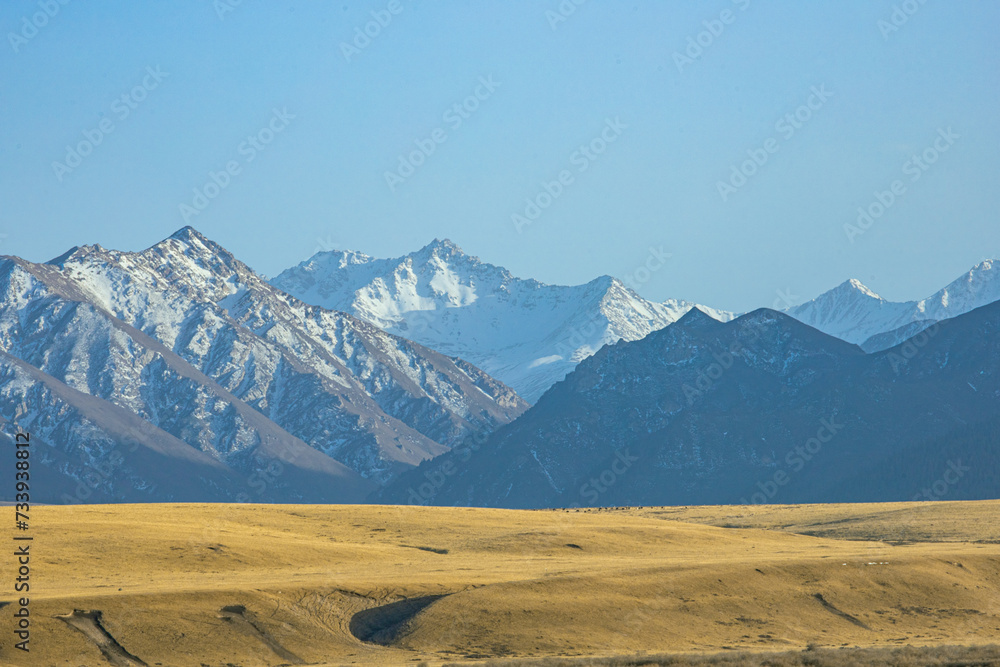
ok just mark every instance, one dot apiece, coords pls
pixel 191 340
pixel 523 332
pixel 853 312
pixel 760 409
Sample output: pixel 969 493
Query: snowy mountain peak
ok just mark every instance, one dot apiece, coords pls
pixel 188 233
pixel 853 286
pixel 446 246
pixel 523 332
pixel 194 242
pixel 442 261
pixel 856 314
pixel 977 287
pixel 984 275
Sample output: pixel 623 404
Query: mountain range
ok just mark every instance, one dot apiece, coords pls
pixel 529 335
pixel 854 313
pixel 179 374
pixel 223 372
pixel 759 409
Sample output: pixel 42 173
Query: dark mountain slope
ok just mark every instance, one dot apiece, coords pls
pixel 763 408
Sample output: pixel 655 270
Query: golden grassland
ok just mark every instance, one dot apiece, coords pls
pixel 253 585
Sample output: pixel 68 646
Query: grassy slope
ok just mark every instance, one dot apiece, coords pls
pixel 657 579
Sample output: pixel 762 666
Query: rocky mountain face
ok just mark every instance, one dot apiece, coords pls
pixel 228 374
pixel 854 313
pixel 86 449
pixel 525 333
pixel 759 409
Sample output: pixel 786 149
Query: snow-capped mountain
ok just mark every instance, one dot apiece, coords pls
pixel 525 333
pixel 192 342
pixel 854 313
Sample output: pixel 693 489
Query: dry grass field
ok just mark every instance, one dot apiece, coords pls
pixel 253 585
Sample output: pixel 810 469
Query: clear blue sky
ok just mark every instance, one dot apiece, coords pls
pixel 321 182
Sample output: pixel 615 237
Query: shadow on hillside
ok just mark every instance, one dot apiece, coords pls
pixel 383 625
